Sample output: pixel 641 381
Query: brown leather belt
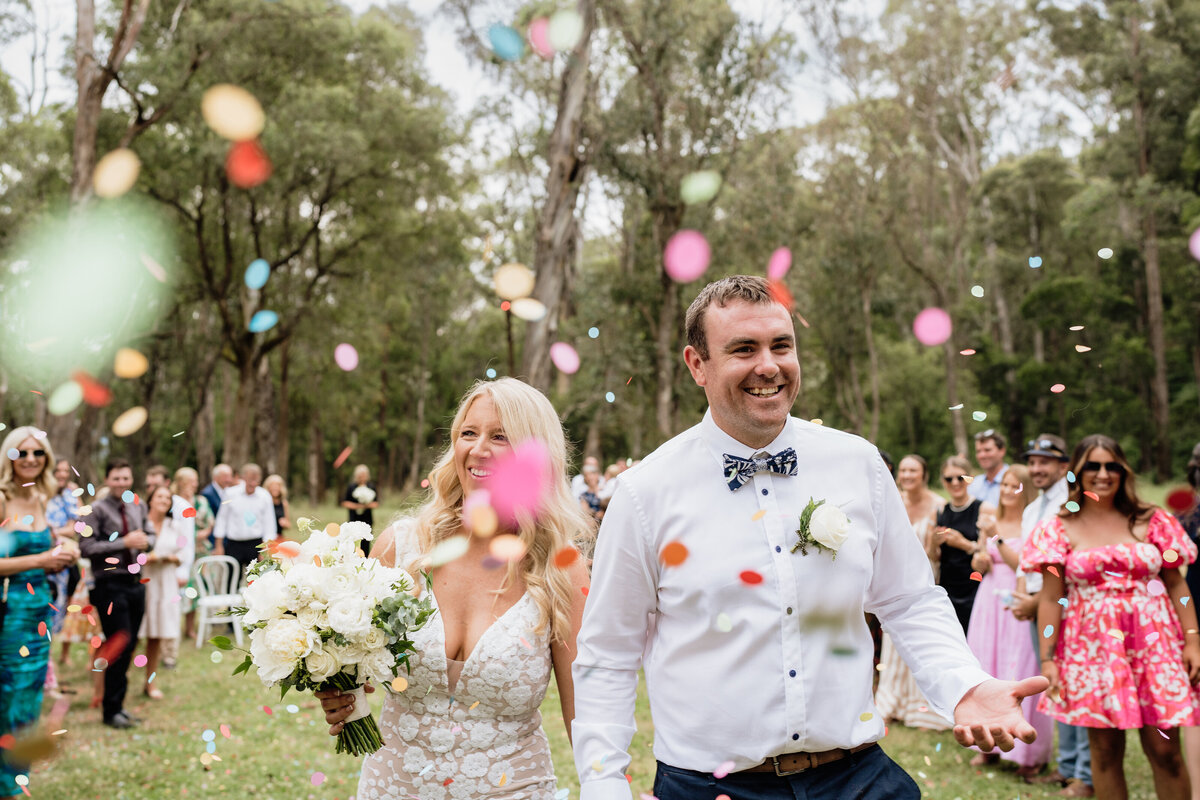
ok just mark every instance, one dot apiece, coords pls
pixel 792 763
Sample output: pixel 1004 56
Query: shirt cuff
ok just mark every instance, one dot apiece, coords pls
pixel 606 789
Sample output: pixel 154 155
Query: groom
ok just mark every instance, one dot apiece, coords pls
pixel 757 658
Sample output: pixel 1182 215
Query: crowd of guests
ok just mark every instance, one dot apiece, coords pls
pixel 104 571
pixel 1056 567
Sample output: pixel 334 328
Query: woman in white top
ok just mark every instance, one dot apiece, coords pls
pixel 467 725
pixel 161 620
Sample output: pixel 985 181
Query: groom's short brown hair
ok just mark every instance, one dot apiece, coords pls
pixel 748 288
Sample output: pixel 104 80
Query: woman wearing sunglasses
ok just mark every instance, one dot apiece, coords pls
pixel 1125 652
pixel 957 532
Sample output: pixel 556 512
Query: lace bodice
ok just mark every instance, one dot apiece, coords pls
pixel 481 740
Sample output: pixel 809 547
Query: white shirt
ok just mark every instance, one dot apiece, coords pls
pixel 245 517
pixel 1044 507
pixel 736 671
pixel 987 489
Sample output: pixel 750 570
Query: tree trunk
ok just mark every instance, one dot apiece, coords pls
pixel 240 425
pixel 414 467
pixel 202 436
pixel 1160 398
pixel 665 358
pixel 265 425
pixel 282 445
pixel 316 461
pixel 872 359
pixel 595 431
pixel 958 425
pixel 557 228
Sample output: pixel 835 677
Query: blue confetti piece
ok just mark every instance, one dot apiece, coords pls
pixel 151 678
pixel 594 332
pixel 249 519
pixel 27 519
pixel 1049 630
pixel 113 536
pixel 91 490
pixel 211 747
pixel 1184 600
pixel 1071 506
pixel 127 496
pixel 491 373
pixel 1062 601
pixel 506 42
pixel 209 735
pixel 1035 262
pixel 610 397
pixel 263 321
pixel 257 273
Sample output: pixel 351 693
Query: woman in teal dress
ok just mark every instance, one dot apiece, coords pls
pixel 28 551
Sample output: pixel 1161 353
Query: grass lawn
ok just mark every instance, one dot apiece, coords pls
pixel 280 750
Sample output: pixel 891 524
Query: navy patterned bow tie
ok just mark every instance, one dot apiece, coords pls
pixel 739 470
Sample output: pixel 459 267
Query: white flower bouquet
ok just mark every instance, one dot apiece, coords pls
pixel 363 494
pixel 322 616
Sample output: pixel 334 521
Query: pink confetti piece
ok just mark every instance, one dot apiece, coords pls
pixel 318 778
pixel 932 326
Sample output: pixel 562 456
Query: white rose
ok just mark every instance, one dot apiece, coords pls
pixel 321 664
pixel 271 668
pixel 377 666
pixel 373 639
pixel 351 616
pixel 340 581
pixel 266 598
pixel 355 531
pixel 304 585
pixel 829 526
pixel 289 641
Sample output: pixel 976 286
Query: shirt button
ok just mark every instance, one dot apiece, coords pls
pixel 778 549
pixel 789 609
pixel 765 491
pixel 795 736
pixel 791 673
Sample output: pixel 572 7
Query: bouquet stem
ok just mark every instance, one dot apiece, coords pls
pixel 358 737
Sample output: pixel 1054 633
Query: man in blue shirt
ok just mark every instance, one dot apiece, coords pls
pixel 990 448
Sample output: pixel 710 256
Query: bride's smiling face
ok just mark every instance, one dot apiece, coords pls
pixel 480 440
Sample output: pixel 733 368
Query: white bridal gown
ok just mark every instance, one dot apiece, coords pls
pixel 466 729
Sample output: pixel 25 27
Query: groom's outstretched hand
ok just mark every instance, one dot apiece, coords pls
pixel 989 715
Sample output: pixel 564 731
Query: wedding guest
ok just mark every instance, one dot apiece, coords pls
pixel 183 490
pixel 161 620
pixel 222 481
pixel 156 476
pixel 990 449
pixel 118 594
pixel 1001 641
pixel 480 673
pixel 956 532
pixel 1125 652
pixel 897 696
pixel 246 519
pixel 279 497
pixel 29 552
pixel 62 512
pixel 590 500
pixel 361 499
pixel 579 482
pixel 749 618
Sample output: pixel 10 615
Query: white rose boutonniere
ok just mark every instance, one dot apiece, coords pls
pixel 824 526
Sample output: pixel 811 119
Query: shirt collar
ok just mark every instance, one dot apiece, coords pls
pixel 721 442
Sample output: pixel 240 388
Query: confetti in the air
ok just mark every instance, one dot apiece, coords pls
pixel 1058 388
pixel 345 356
pixel 780 263
pixel 686 256
pixel 700 187
pixel 1035 262
pixel 513 281
pixel 506 43
pixel 565 358
pixel 129 363
pixel 232 112
pixel 1105 252
pixel 116 173
pixel 247 164
pixel 932 326
pixel 130 421
pixel 565 29
pixel 257 274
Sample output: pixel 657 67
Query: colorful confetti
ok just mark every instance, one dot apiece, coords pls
pixel 686 256
pixel 673 554
pixel 932 326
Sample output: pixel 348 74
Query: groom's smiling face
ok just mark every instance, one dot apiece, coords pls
pixel 752 376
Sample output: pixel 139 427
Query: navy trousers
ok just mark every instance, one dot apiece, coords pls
pixel 866 775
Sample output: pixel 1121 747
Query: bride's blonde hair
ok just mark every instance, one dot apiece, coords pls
pixel 524 413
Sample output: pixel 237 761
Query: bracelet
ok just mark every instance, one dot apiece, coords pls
pixel 1191 631
pixel 1044 660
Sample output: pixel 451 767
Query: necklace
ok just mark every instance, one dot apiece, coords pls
pixel 957 509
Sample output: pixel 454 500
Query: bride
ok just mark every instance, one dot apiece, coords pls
pixel 467 724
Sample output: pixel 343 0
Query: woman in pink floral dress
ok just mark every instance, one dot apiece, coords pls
pixel 1125 653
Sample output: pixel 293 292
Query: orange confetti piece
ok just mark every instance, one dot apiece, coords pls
pixel 673 554
pixel 1092 495
pixel 975 576
pixel 188 513
pixel 1053 570
pixel 781 294
pixel 268 709
pixel 317 560
pixel 750 577
pixel 332 529
pixel 565 557
pixel 762 512
pixel 342 456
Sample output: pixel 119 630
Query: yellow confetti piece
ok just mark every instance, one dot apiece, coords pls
pixel 596 765
pixel 866 716
pixel 59 732
pixel 472 708
pixel 762 512
pixel 24 651
pixel 399 684
pixel 1116 634
pixel 503 779
pixel 1170 556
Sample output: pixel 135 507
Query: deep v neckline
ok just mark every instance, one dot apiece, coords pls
pixel 446 659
